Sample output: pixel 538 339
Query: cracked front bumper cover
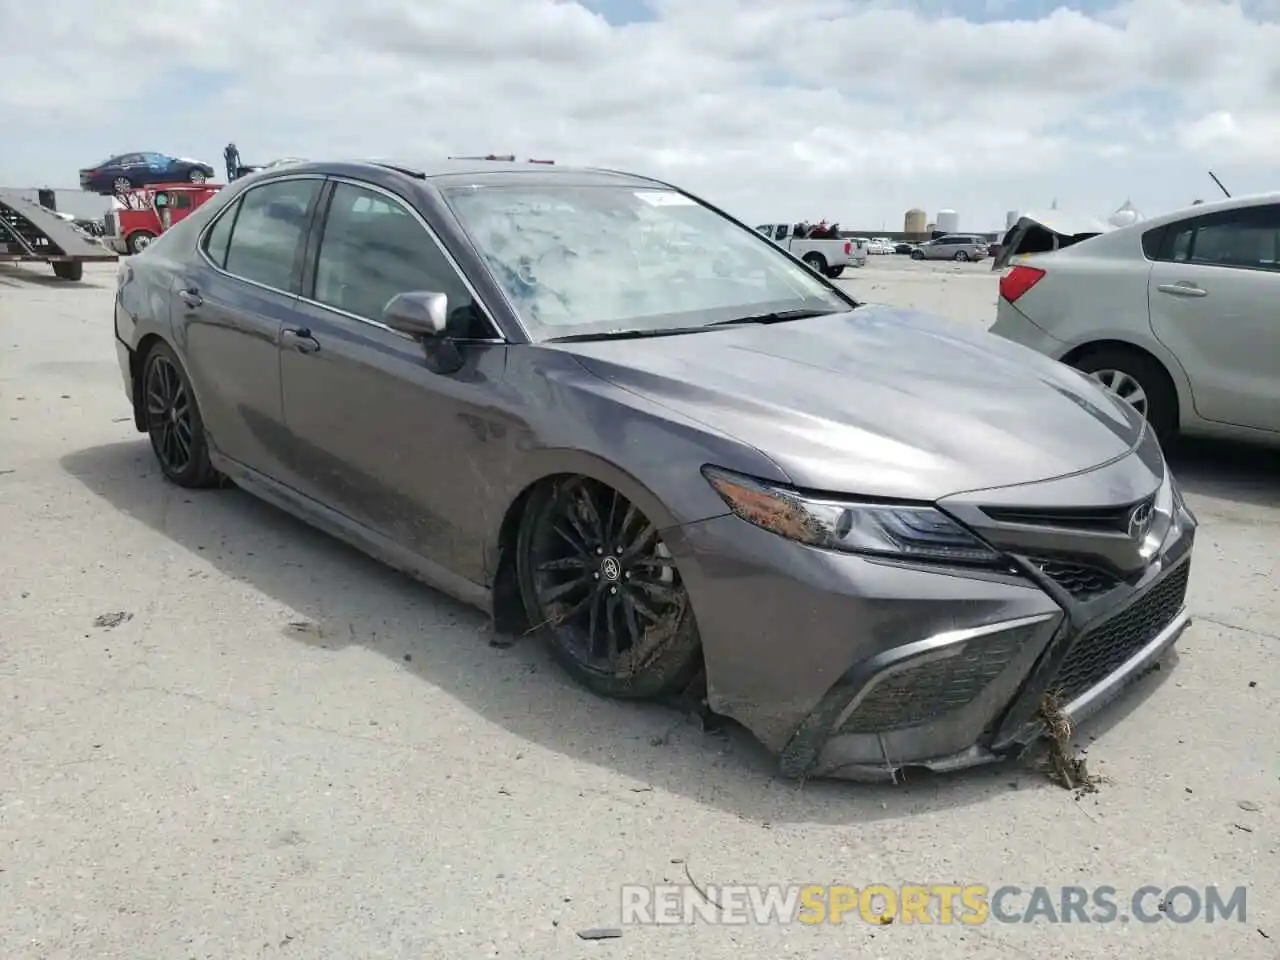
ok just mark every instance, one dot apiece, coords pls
pixel 855 668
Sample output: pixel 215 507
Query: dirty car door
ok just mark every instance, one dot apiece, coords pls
pixel 1214 294
pixel 374 432
pixel 229 306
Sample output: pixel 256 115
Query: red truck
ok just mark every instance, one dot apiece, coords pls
pixel 143 214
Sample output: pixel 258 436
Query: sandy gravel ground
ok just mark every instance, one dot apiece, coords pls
pixel 284 749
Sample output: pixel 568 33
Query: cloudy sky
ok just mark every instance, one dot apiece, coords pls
pixel 777 109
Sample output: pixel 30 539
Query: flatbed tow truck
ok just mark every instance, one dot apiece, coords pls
pixel 30 233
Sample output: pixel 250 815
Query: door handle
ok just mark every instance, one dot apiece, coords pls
pixel 1183 288
pixel 300 339
pixel 191 297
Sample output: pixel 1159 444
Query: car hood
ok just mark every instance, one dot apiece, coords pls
pixel 879 401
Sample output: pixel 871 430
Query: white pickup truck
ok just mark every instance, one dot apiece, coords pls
pixel 828 256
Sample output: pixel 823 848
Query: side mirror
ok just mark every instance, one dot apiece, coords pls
pixel 422 314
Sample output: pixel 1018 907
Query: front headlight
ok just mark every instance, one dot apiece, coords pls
pixel 905 531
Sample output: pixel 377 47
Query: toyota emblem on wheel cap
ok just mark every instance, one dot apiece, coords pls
pixel 609 569
pixel 1140 521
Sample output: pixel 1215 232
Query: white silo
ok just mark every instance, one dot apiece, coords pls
pixel 1125 215
pixel 948 221
pixel 1010 219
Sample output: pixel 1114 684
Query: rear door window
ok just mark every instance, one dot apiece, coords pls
pixel 218 239
pixel 270 229
pixel 1244 239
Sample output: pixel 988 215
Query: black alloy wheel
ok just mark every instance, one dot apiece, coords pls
pixel 597 578
pixel 173 421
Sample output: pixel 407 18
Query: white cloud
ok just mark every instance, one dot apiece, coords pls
pixel 810 108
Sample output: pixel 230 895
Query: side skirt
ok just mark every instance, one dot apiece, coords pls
pixel 343 528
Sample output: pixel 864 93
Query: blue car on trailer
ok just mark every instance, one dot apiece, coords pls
pixel 127 171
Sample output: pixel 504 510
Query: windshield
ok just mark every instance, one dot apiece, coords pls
pixel 577 259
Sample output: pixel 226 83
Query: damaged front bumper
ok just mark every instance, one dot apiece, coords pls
pixel 855 668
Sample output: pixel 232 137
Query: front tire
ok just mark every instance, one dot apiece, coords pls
pixel 961 256
pixel 1138 380
pixel 917 255
pixel 599 584
pixel 122 185
pixel 139 241
pixel 197 176
pixel 173 421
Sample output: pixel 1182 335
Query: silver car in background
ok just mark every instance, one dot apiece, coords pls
pixel 1175 315
pixel 955 246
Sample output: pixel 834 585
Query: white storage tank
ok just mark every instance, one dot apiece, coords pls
pixel 1125 215
pixel 948 221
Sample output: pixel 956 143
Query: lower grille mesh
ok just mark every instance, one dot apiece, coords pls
pixel 930 691
pixel 1104 648
pixel 1082 581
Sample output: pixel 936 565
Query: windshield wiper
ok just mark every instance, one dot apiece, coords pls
pixel 778 316
pixel 625 334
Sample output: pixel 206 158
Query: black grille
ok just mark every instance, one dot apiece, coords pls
pixel 930 691
pixel 1105 647
pixel 109 224
pixel 1082 581
pixel 1097 519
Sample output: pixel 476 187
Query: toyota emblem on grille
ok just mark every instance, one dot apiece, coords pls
pixel 1140 521
pixel 609 569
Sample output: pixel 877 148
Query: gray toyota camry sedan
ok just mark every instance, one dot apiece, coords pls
pixel 610 414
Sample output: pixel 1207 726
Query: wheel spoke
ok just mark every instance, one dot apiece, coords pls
pixel 647 536
pixel 593 635
pixel 586 504
pixel 166 441
pixel 184 447
pixel 552 594
pixel 632 623
pixel 628 518
pixel 571 514
pixel 644 609
pixel 661 592
pixel 611 630
pixel 563 616
pixel 613 512
pixel 573 540
pixel 563 563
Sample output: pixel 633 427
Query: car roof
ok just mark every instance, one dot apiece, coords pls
pixel 1199 210
pixel 452 172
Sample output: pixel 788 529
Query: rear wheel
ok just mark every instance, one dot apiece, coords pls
pixel 834 272
pixel 122 184
pixel 139 240
pixel 173 421
pixel 816 261
pixel 599 583
pixel 197 176
pixel 1137 379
